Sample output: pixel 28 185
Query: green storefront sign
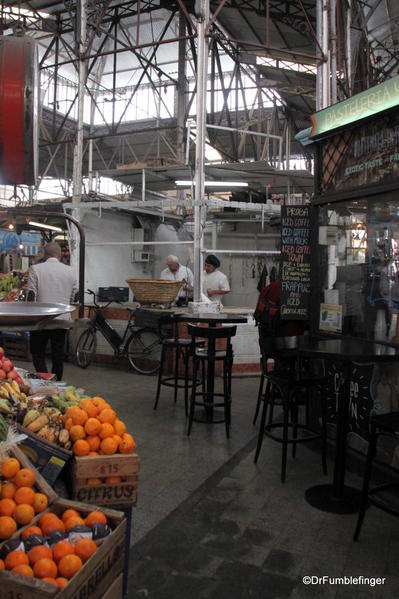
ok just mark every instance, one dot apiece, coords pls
pixel 366 104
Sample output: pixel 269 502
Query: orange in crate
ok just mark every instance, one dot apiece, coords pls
pixel 45 568
pixel 7 527
pixel 61 549
pixel 39 552
pixel 69 566
pixel 85 548
pixel 25 478
pixel 10 467
pixel 24 513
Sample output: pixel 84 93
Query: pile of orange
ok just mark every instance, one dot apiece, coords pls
pixel 59 563
pixel 94 429
pixel 19 502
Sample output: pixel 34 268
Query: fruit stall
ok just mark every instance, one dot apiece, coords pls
pixel 57 437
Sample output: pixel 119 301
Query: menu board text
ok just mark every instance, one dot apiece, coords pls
pixel 295 262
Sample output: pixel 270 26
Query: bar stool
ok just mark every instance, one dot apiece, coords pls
pixel 381 425
pixel 209 356
pixel 283 360
pixel 292 389
pixel 181 348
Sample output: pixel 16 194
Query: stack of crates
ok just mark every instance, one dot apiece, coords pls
pixel 16 344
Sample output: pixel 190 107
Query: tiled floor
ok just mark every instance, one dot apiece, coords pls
pixel 211 524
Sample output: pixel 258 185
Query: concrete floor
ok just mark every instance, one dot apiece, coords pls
pixel 209 523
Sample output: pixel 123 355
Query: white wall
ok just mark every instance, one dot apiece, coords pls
pixel 109 266
pixel 166 232
pixel 240 269
pixel 112 265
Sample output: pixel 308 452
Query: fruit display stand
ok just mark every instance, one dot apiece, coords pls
pixel 100 572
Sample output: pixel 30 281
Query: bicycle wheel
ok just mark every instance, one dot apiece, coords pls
pixel 86 348
pixel 143 349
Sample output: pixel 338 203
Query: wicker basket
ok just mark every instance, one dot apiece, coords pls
pixel 154 291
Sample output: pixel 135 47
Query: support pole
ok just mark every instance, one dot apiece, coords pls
pixel 181 88
pixel 333 28
pixel 199 205
pixel 348 48
pixel 326 99
pixel 77 176
pixel 319 75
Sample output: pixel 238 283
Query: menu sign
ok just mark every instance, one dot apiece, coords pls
pixel 365 155
pixel 295 262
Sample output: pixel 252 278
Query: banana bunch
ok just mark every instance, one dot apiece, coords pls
pixel 11 390
pixel 12 399
pixel 71 395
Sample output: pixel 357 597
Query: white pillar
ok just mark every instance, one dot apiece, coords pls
pixel 199 204
pixel 77 175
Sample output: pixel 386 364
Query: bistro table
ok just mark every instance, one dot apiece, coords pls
pixel 212 319
pixel 338 498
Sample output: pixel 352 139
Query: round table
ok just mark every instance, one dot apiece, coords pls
pixel 338 498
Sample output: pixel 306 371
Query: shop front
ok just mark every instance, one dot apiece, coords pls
pixel 355 258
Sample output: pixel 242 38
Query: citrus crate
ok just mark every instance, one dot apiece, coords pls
pixel 93 581
pixel 121 494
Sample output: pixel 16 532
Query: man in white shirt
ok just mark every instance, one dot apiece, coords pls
pixel 176 272
pixel 52 282
pixel 215 283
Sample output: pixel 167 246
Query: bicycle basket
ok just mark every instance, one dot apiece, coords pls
pixel 154 291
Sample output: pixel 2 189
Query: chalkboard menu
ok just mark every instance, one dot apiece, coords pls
pixel 295 262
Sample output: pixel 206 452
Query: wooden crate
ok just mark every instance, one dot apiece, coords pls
pixel 41 484
pixel 122 494
pixel 95 579
pixel 16 347
pixel 116 589
pixel 49 458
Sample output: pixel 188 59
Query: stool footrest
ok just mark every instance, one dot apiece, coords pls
pixel 312 436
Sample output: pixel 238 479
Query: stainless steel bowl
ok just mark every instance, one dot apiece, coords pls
pixel 30 313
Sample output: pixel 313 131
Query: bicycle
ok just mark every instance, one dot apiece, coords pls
pixel 142 347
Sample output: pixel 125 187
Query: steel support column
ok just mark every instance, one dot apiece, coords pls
pixel 199 207
pixel 77 176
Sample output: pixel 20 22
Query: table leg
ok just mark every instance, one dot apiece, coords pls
pixel 336 497
pixel 210 378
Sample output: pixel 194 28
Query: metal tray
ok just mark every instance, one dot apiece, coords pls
pixel 30 313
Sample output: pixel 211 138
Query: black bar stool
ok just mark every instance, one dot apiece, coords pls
pixel 290 388
pixel 209 356
pixel 284 359
pixel 181 349
pixel 381 496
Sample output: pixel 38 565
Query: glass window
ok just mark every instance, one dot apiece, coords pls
pixel 358 269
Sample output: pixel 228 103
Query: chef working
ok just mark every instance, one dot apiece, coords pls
pixel 176 272
pixel 215 283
